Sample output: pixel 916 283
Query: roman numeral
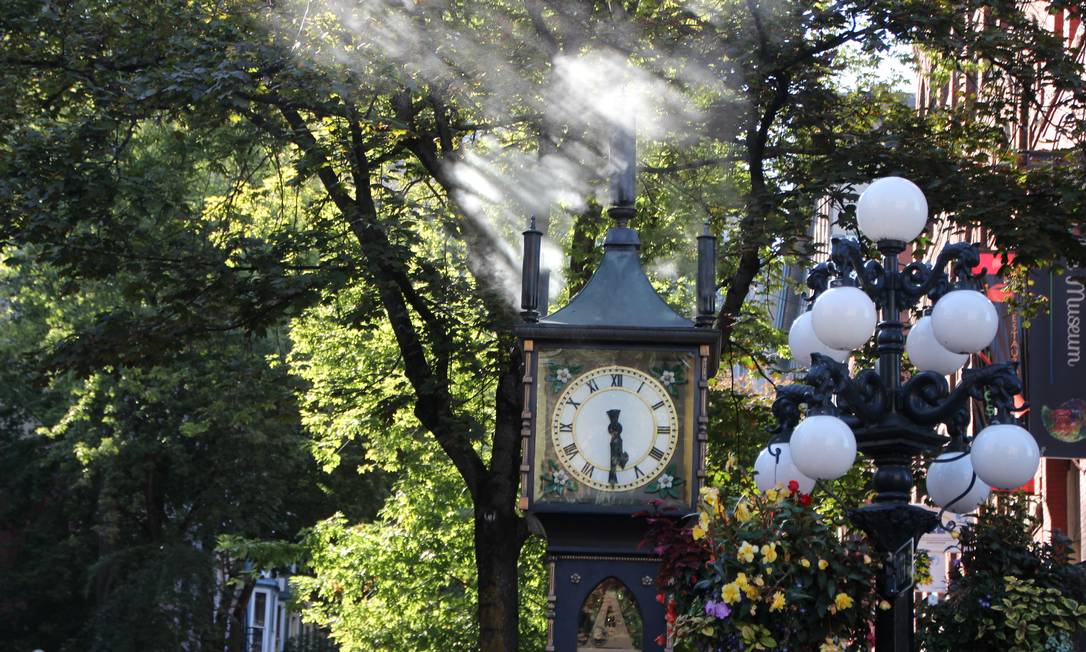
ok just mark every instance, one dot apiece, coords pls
pixel 565 427
pixel 575 404
pixel 570 449
pixel 616 380
pixel 592 386
pixel 656 454
pixel 638 472
pixel 658 405
pixel 587 469
pixel 640 386
pixel 663 430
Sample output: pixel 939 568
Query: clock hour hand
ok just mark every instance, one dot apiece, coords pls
pixel 619 457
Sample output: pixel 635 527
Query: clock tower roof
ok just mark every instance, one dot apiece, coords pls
pixel 618 294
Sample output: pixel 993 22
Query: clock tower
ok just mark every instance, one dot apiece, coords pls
pixel 615 421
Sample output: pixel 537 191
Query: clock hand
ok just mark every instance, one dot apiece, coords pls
pixel 619 457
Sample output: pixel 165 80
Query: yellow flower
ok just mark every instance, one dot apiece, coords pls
pixel 884 605
pixel 771 495
pixel 778 601
pixel 732 461
pixel 746 552
pixel 867 559
pixel 742 513
pixel 829 646
pixel 741 581
pixel 702 527
pixel 758 581
pixel 710 495
pixel 805 563
pixel 769 553
pixel 730 593
pixel 842 601
pixel 751 592
pixel 753 609
pixel 823 564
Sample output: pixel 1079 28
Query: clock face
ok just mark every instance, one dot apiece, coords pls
pixel 614 428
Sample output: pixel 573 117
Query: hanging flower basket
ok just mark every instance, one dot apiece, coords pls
pixel 764 572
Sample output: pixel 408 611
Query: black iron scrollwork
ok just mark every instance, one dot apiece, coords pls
pixel 926 401
pixel 934 281
pixel 818 280
pixel 786 410
pixel 826 377
pixel 847 261
pixel 850 268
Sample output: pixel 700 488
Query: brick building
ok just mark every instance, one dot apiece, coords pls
pixel 1040 126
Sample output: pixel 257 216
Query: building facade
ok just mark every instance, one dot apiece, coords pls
pixel 1042 124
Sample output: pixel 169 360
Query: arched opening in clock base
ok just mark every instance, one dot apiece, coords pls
pixel 610 620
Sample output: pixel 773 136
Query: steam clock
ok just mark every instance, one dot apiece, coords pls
pixel 615 392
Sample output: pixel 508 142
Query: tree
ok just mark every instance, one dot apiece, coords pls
pixel 418 130
pixel 140 500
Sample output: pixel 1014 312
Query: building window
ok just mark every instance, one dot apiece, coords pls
pixel 259 621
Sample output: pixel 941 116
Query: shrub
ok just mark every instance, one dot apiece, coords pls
pixel 1008 592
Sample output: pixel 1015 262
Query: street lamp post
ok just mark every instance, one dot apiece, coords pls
pixel 889 419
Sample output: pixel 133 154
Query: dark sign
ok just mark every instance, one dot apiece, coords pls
pixel 1056 365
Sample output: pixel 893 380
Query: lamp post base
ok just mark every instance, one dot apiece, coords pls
pixel 891 528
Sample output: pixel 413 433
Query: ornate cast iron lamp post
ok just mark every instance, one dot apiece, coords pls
pixel 889 419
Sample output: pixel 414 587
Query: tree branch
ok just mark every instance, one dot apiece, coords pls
pixel 433 406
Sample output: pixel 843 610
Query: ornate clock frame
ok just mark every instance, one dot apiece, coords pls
pixel 593 539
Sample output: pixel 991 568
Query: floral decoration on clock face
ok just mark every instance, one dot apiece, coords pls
pixel 615 428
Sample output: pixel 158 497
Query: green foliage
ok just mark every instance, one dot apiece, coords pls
pixel 1011 592
pixel 144 483
pixel 765 571
pixel 405 581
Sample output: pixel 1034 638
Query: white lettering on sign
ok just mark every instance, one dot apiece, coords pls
pixel 1076 293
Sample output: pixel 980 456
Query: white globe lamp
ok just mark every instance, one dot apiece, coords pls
pixel 1005 456
pixel 803 342
pixel 823 447
pixel 964 321
pixel 927 354
pixel 949 476
pixel 772 470
pixel 843 317
pixel 892 208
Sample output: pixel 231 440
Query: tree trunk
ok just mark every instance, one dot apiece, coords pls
pixel 497 547
pixel 499 531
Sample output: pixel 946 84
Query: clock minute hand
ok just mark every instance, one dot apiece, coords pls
pixel 619 457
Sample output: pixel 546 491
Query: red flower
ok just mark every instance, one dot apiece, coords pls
pixel 660 598
pixel 661 640
pixel 805 499
pixel 672 611
pixel 793 486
